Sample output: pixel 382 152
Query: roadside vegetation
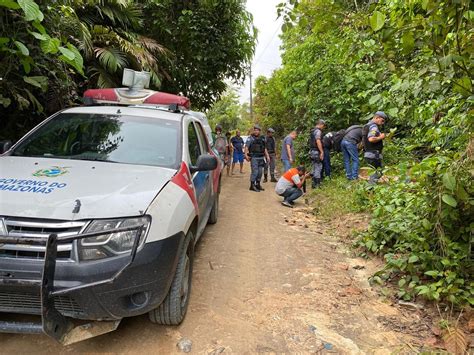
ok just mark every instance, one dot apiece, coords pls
pixel 52 51
pixel 344 60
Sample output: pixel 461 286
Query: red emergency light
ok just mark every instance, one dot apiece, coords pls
pixel 125 96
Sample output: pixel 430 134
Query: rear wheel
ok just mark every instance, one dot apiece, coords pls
pixel 215 210
pixel 174 307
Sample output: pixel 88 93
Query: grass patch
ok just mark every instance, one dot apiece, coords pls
pixel 336 197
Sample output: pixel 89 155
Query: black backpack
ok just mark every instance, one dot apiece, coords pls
pixel 337 139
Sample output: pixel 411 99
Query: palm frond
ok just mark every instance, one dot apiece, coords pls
pixel 153 46
pixel 111 59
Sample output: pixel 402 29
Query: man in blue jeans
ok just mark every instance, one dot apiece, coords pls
pixel 350 151
pixel 287 151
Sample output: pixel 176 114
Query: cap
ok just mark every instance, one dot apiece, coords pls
pixel 381 114
pixel 271 130
pixel 322 122
pixel 257 127
pixel 218 127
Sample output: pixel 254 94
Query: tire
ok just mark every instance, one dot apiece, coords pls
pixel 215 211
pixel 174 307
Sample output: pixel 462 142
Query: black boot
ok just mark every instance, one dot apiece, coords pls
pixel 253 187
pixel 316 183
pixel 257 184
pixel 273 179
pixel 265 178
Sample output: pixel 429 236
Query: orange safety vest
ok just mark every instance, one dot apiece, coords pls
pixel 290 173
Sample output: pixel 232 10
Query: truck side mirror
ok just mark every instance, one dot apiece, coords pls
pixel 205 162
pixel 5 146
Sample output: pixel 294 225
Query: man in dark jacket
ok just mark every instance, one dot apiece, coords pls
pixel 316 152
pixel 271 149
pixel 350 151
pixel 373 144
pixel 256 152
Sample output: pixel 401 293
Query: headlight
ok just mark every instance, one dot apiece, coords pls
pixel 3 230
pixel 112 243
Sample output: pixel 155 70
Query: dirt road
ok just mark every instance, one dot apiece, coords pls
pixel 266 279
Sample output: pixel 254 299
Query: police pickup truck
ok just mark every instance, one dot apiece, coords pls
pixel 100 209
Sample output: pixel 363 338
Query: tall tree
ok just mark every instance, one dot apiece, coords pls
pixel 211 41
pixel 225 111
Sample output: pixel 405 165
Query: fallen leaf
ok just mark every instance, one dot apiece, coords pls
pixel 455 341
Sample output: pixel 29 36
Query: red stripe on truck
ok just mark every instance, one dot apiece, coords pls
pixel 183 180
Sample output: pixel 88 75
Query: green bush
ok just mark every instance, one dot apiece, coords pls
pixel 424 229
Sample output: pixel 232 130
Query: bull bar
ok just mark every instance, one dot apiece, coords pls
pixel 53 323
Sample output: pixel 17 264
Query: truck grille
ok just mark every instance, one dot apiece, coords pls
pixel 20 302
pixel 34 228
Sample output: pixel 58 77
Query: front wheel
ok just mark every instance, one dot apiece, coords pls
pixel 215 210
pixel 174 307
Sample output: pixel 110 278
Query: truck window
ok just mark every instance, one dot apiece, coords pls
pixel 202 137
pixel 108 138
pixel 193 144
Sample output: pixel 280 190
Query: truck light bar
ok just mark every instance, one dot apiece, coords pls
pixel 135 93
pixel 123 97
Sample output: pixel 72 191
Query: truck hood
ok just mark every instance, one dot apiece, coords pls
pixel 67 189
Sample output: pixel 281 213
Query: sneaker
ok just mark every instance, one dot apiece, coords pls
pixel 286 204
pixel 292 203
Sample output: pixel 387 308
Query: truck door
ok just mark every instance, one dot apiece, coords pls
pixel 201 179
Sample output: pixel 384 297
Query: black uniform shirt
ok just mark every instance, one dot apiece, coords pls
pixel 270 144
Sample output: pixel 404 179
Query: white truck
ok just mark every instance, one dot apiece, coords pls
pixel 100 209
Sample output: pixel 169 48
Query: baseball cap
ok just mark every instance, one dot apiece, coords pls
pixel 381 114
pixel 257 127
pixel 271 130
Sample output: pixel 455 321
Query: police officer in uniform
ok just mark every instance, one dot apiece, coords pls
pixel 270 144
pixel 316 152
pixel 256 152
pixel 373 144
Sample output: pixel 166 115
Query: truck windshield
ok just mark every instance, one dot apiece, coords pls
pixel 108 138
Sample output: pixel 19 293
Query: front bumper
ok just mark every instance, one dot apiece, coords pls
pixel 107 289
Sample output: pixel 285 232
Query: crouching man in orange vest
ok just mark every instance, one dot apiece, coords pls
pixel 289 185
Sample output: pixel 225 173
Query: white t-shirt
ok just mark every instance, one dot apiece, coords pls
pixel 283 184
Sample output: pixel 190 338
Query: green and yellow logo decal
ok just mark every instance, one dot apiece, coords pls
pixel 54 171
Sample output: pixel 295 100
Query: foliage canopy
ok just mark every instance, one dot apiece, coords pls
pixel 51 51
